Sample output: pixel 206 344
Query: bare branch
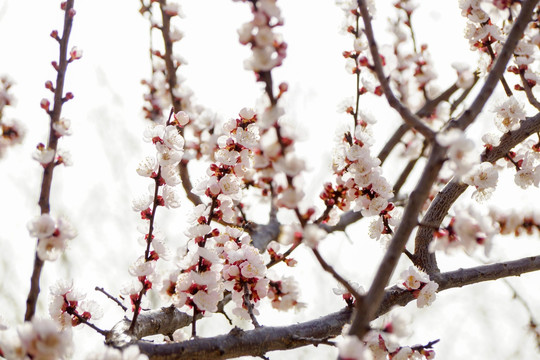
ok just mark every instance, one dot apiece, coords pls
pixel 336 276
pixel 111 297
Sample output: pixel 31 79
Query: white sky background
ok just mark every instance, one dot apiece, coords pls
pixel 477 322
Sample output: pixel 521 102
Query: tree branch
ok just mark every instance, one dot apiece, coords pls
pixel 52 144
pixel 176 101
pixel 427 109
pixel 366 311
pixel 527 9
pixel 410 118
pixel 261 340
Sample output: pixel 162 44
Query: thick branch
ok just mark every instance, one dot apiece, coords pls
pixel 163 321
pixel 264 339
pixel 254 342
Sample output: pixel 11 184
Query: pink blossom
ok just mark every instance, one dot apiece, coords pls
pixel 43 155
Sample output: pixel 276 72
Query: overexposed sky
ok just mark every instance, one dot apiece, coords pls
pixel 477 322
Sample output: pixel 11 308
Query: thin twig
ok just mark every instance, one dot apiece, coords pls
pixel 507 89
pixel 249 306
pixel 329 269
pixel 528 91
pixel 85 321
pixel 111 297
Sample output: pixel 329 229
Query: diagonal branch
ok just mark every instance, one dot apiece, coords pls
pixel 410 118
pixel 521 22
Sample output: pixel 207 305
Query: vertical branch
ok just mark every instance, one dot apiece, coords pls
pixel 52 144
pixel 176 101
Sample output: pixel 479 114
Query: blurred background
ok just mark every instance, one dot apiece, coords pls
pixel 483 321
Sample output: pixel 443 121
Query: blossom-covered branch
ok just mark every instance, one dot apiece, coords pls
pixel 410 118
pixel 260 341
pixel 54 236
pixel 446 197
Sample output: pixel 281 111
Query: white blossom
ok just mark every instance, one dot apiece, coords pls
pixel 427 294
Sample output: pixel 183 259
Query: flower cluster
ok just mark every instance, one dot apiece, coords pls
pixel 268 49
pixel 219 260
pixel 284 294
pixel 199 284
pixel 486 30
pixel 164 170
pixel 38 339
pixel 468 229
pixel 360 184
pixel 420 285
pixel 358 59
pixel 515 223
pixel 244 274
pixel 53 235
pixel 525 160
pixel 11 131
pixel 480 32
pixel 483 177
pixel 509 114
pixel 68 307
pixel 383 343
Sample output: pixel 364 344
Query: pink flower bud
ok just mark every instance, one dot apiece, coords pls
pixel 45 104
